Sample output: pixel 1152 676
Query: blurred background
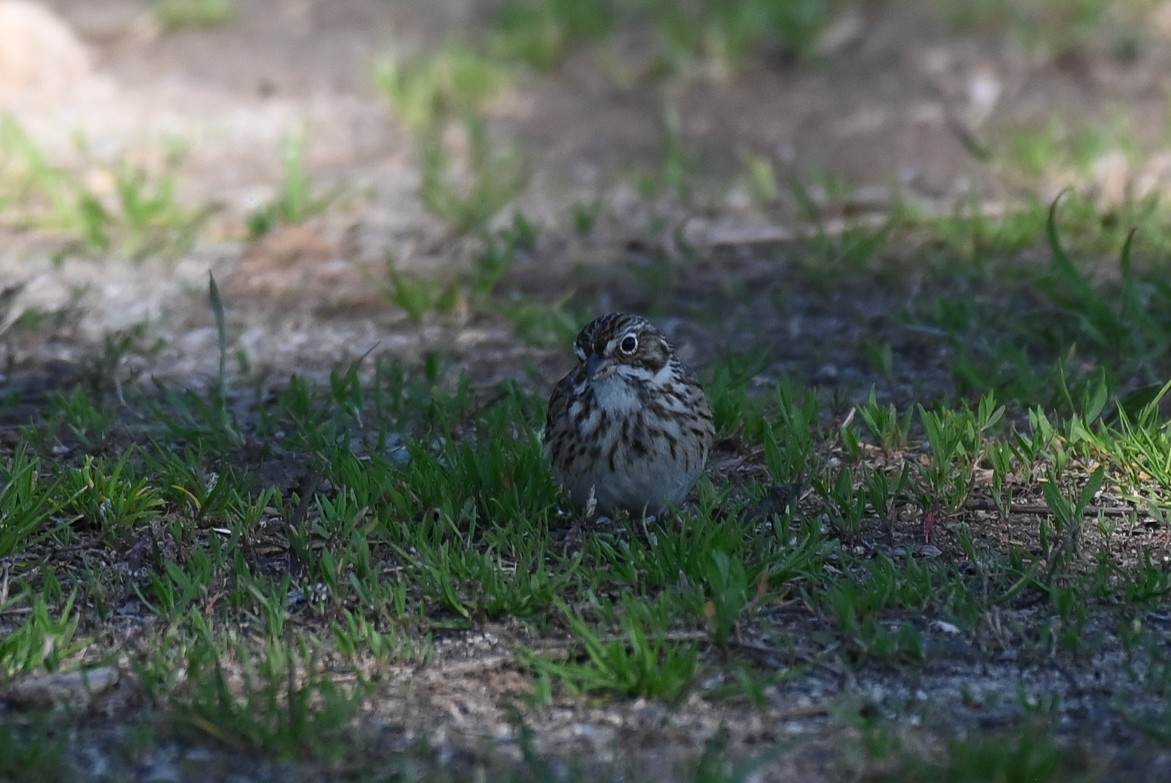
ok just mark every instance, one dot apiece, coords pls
pixel 480 178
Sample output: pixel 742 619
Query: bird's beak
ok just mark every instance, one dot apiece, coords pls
pixel 598 368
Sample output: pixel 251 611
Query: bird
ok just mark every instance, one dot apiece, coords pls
pixel 629 428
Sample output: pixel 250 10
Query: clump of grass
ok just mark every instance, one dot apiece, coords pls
pixel 725 35
pixel 1056 27
pixel 417 295
pixel 466 177
pixel 188 14
pixel 469 189
pixel 28 501
pixel 1102 316
pixel 1031 755
pixel 32 750
pixel 295 201
pixel 277 700
pixel 41 641
pixel 639 661
pixel 426 92
pixel 112 208
pixel 540 33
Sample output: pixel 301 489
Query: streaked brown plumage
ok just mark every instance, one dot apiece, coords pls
pixel 630 424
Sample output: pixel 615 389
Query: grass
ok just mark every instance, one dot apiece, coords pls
pixel 720 36
pixel 184 14
pixel 388 553
pixel 111 208
pixel 467 190
pixel 1115 28
pixel 393 549
pixel 450 92
pixel 295 201
pixel 933 566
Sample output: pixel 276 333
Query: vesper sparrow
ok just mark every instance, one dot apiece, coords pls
pixel 630 425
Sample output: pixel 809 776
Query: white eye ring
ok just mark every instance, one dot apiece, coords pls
pixel 629 344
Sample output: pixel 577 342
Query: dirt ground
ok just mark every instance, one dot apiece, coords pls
pixel 895 106
pixel 902 103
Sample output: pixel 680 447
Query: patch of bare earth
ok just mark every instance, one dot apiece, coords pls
pixel 896 108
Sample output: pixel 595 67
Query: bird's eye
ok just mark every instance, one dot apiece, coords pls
pixel 629 344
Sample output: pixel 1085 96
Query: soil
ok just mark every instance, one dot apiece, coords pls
pixel 894 108
pixel 899 107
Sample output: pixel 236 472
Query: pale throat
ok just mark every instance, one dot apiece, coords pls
pixel 616 395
